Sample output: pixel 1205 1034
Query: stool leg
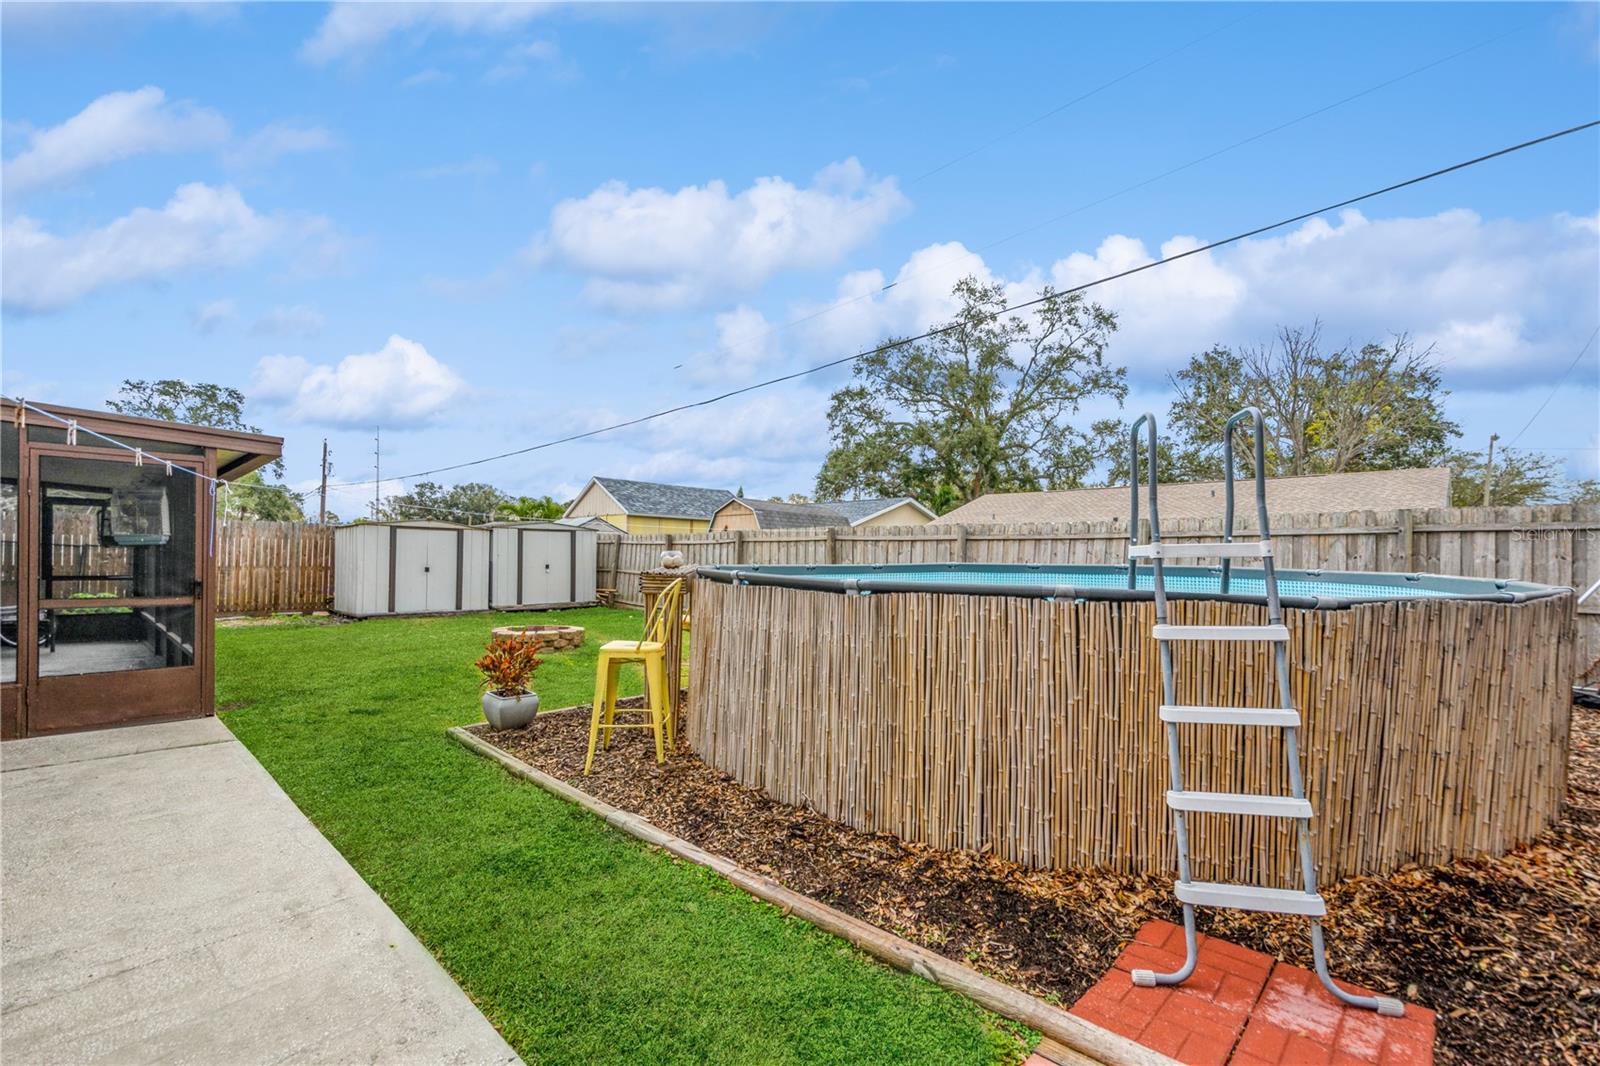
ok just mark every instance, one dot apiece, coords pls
pixel 655 669
pixel 669 708
pixel 596 711
pixel 613 673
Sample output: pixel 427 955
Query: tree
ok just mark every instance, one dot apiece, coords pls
pixel 251 497
pixel 793 497
pixel 984 405
pixel 1376 407
pixel 471 504
pixel 1584 490
pixel 530 508
pixel 197 403
pixel 1519 479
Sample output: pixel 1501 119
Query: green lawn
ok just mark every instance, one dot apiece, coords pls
pixel 579 943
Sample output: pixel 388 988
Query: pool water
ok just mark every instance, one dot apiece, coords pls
pixel 1324 587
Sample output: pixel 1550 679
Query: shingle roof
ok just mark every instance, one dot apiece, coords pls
pixel 861 510
pixel 775 514
pixel 664 501
pixel 594 522
pixel 1373 490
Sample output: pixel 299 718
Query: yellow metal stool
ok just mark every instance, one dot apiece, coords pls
pixel 652 652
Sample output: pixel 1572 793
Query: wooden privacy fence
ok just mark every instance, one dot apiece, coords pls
pixel 75 549
pixel 1558 545
pixel 273 566
pixel 1433 728
pixel 262 566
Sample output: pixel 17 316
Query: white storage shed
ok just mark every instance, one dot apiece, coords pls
pixel 541 564
pixel 410 568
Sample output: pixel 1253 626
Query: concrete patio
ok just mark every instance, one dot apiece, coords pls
pixel 163 900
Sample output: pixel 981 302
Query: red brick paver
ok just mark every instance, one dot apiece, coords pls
pixel 1245 1008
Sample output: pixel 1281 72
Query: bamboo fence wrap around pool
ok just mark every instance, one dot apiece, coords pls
pixel 1434 728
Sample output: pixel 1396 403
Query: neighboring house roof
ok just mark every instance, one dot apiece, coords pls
pixel 1373 490
pixel 859 511
pixel 594 522
pixel 528 523
pixel 663 501
pixel 775 514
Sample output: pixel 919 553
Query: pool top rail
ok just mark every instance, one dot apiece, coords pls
pixel 1313 589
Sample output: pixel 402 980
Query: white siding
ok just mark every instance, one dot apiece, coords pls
pixel 424 570
pixel 549 554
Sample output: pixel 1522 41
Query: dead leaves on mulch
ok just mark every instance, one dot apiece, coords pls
pixel 1507 951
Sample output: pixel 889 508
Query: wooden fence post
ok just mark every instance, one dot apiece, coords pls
pixel 1408 532
pixel 830 544
pixel 738 546
pixel 961 544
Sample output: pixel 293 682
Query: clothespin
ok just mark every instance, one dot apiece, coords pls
pixel 211 540
pixel 168 463
pixel 72 431
pixel 138 457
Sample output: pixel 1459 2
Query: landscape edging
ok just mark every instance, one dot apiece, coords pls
pixel 1057 1024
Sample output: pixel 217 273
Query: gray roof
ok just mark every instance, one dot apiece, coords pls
pixel 861 510
pixel 594 522
pixel 664 501
pixel 1370 490
pixel 775 514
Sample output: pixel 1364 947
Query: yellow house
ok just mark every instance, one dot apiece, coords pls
pixel 648 507
pixel 894 511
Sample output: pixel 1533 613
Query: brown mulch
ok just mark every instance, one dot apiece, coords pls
pixel 1507 951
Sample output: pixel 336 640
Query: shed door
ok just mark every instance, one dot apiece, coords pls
pixel 546 566
pixel 424 570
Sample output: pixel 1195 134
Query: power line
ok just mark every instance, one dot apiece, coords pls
pixel 1076 100
pixel 1258 230
pixel 1570 367
pixel 1413 72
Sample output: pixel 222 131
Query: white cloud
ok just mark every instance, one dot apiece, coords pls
pixel 428 76
pixel 275 140
pixel 653 249
pixel 746 345
pixel 398 385
pixel 775 426
pixel 115 126
pixel 202 226
pixel 543 54
pixel 1500 298
pixel 207 317
pixel 351 29
pixel 296 321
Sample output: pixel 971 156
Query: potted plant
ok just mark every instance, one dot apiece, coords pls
pixel 507 666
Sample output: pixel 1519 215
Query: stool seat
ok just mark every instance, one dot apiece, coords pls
pixel 636 648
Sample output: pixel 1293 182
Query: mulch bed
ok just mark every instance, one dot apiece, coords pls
pixel 1507 951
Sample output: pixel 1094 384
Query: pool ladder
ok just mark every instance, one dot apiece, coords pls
pixel 1181 801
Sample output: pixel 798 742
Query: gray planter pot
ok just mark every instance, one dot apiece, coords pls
pixel 510 712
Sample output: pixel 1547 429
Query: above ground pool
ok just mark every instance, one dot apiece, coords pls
pixel 1296 588
pixel 1012 709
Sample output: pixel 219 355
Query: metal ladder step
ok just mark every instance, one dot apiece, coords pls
pixel 1239 803
pixel 1216 549
pixel 1267 716
pixel 1250 898
pixel 1171 632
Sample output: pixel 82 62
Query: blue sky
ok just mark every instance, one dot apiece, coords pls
pixel 484 226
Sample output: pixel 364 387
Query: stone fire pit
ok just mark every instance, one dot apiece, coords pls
pixel 547 638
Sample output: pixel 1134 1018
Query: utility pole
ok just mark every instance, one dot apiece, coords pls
pixel 322 494
pixel 1488 470
pixel 377 468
